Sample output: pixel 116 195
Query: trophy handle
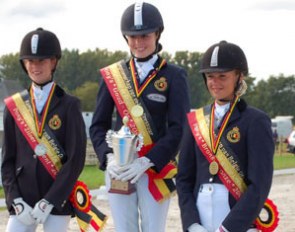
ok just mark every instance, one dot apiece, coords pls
pixel 139 142
pixel 109 135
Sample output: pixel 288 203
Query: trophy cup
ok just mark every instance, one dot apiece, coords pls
pixel 125 147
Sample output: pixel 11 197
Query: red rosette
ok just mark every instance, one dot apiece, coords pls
pixel 80 197
pixel 270 221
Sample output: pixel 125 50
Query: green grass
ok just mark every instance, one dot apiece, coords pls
pixel 94 177
pixel 284 161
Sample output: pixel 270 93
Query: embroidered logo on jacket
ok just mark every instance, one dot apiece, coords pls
pixel 55 122
pixel 234 135
pixel 161 84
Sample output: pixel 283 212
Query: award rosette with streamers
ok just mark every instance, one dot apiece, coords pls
pixel 268 218
pixel 80 197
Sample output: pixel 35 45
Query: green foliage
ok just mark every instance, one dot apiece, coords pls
pixel 11 69
pixel 198 90
pixel 74 69
pixel 276 96
pixel 87 95
pixel 68 70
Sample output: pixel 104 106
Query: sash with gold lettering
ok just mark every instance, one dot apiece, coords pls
pixel 125 92
pixel 20 107
pixel 214 150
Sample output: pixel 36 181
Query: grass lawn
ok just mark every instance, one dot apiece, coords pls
pixel 284 161
pixel 94 177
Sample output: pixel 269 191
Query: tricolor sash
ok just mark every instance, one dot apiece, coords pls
pixel 125 94
pixel 21 110
pixel 229 174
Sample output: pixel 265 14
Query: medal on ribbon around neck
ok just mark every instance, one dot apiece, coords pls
pixel 137 111
pixel 40 123
pixel 40 149
pixel 213 168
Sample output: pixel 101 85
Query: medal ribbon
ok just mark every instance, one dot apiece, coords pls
pixel 40 124
pixel 139 88
pixel 199 129
pixel 216 139
pixel 25 122
pixel 227 173
pixel 124 98
pixel 114 77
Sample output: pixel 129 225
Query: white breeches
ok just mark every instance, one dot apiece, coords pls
pixel 137 212
pixel 213 206
pixel 53 223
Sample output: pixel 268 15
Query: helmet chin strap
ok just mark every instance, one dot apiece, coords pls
pixel 143 59
pixel 41 85
pixel 224 100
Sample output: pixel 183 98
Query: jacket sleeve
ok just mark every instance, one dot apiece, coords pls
pixel 101 123
pixel 260 148
pixel 167 147
pixel 8 165
pixel 186 179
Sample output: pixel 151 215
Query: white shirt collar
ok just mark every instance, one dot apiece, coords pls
pixel 41 95
pixel 143 68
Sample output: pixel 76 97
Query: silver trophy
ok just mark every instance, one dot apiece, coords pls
pixel 125 147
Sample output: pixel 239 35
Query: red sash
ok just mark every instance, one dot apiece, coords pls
pixel 85 212
pixel 227 173
pixel 116 78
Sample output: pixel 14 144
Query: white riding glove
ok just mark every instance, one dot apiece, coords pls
pixel 23 211
pixel 135 170
pixel 196 227
pixel 113 168
pixel 41 211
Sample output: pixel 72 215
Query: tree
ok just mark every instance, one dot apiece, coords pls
pixel 75 68
pixel 276 96
pixel 12 69
pixel 87 95
pixel 67 73
pixel 198 90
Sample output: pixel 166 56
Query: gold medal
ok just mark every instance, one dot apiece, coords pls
pixel 137 111
pixel 213 168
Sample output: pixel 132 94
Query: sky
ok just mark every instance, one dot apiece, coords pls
pixel 264 29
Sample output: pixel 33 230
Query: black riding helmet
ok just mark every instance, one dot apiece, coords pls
pixel 142 18
pixel 224 57
pixel 39 44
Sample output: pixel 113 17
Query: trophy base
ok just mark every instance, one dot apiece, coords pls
pixel 121 187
